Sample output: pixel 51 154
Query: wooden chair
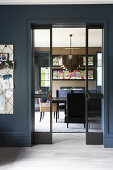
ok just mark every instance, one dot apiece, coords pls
pixel 45 107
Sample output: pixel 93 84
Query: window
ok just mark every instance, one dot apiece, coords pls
pixel 45 76
pixel 99 69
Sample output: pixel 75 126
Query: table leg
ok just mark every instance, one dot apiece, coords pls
pixel 56 116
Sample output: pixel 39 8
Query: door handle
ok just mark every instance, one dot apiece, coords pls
pixel 94 95
pixel 88 96
pixel 49 95
pixel 97 96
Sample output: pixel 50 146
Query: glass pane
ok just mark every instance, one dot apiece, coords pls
pixel 42 79
pixel 42 60
pixel 42 38
pixel 95 38
pixel 45 83
pixel 99 59
pixel 95 85
pixel 99 76
pixel 68 77
pixel 45 77
pixel 6 79
pixel 42 115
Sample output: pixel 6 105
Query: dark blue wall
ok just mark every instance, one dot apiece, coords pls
pixel 14 29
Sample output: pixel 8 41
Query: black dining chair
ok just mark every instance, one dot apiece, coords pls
pixel 62 93
pixel 75 108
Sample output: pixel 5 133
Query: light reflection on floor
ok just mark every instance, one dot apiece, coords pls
pixel 60 126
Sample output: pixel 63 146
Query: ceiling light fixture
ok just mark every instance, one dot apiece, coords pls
pixel 71 62
pixel 70 55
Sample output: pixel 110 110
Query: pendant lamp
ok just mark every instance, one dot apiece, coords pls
pixel 70 62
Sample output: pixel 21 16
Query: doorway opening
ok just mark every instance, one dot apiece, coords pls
pixel 68 82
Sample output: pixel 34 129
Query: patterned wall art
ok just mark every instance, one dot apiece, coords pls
pixel 6 79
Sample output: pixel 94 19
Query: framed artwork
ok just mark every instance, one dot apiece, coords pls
pixel 90 60
pixel 4 56
pixel 75 75
pixel 1 65
pixel 57 61
pixel 8 64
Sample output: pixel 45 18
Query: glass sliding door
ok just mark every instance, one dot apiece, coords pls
pixel 42 84
pixel 94 85
pixel 68 51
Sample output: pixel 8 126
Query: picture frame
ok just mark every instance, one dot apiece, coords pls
pixel 91 60
pixel 8 65
pixel 57 74
pixel 56 60
pixel 4 56
pixel 1 65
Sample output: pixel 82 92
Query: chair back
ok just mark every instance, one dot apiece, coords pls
pixel 62 93
pixel 94 104
pixel 41 100
pixel 76 104
pixel 78 91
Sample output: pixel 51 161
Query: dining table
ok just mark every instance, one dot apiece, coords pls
pixel 59 99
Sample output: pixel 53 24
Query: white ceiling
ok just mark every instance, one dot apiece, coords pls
pixel 21 2
pixel 60 37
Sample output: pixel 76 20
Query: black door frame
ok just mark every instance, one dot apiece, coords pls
pixel 92 138
pixel 41 137
pixel 71 22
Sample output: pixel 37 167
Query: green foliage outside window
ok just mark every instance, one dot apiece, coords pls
pixel 45 77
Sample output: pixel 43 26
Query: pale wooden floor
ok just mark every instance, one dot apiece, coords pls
pixel 68 152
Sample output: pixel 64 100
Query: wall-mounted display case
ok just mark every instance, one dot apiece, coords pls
pixel 75 75
pixel 61 73
pixel 6 79
pixel 58 60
